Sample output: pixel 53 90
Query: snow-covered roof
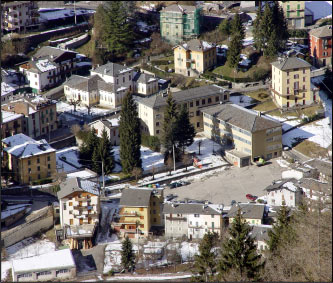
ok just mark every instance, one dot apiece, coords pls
pixel 12 210
pixel 84 174
pixel 55 260
pixel 9 116
pixel 6 88
pixel 63 13
pixel 16 139
pixel 45 65
pixel 320 9
pixel 77 184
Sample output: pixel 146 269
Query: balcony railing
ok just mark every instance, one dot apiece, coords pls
pixel 176 218
pixel 196 227
pixel 129 214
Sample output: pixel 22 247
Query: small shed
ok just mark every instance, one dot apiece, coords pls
pixel 238 158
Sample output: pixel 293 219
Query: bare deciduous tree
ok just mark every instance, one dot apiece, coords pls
pixel 136 172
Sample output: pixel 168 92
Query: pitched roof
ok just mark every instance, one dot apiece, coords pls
pixel 325 31
pixel 182 96
pixel 241 117
pixel 111 69
pixel 291 63
pixel 248 210
pixel 315 185
pixel 9 116
pixel 322 166
pixel 197 45
pixel 73 80
pixel 179 8
pixel 144 78
pixel 288 184
pixel 135 197
pixel 77 185
pixel 260 233
pixel 48 51
pixel 190 208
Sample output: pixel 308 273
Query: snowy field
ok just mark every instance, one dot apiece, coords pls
pixel 206 150
pixel 80 110
pixel 241 100
pixel 26 248
pixel 71 155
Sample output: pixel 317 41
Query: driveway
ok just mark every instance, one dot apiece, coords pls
pixel 232 184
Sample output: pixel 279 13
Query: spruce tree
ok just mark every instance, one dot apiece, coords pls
pixel 280 26
pixel 257 30
pixel 272 45
pixel 225 27
pixel 234 52
pixel 130 135
pixel 127 255
pixel 239 252
pixel 87 148
pixel 205 263
pixel 237 27
pixel 103 153
pixel 185 131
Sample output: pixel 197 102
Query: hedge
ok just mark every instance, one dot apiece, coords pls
pixel 42 181
pixel 150 141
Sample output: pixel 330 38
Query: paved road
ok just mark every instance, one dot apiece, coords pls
pixel 232 184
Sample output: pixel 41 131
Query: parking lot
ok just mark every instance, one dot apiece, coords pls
pixel 232 184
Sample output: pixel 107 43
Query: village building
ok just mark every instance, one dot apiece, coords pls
pixel 145 84
pixel 252 213
pixel 294 12
pixel 321 46
pixel 260 234
pixel 291 83
pixel 11 124
pixel 111 126
pixel 30 160
pixel 252 135
pixel 194 57
pixel 151 109
pixel 79 203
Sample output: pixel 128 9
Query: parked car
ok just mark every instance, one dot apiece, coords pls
pixel 251 197
pixel 170 197
pixel 173 185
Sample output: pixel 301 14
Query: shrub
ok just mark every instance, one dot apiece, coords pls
pixel 42 181
pixel 150 141
pixel 291 160
pixel 260 74
pixel 260 201
pixel 111 272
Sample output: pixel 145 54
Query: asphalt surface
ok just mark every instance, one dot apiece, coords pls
pixel 232 184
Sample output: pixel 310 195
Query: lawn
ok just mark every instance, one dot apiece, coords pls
pixel 311 149
pixel 86 49
pixel 260 95
pixel 267 105
pixel 310 111
pixel 161 62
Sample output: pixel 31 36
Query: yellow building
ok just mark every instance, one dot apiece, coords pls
pixel 30 160
pixel 252 213
pixel 79 205
pixel 291 83
pixel 151 109
pixel 250 133
pixel 141 210
pixel 194 57
pixel 294 12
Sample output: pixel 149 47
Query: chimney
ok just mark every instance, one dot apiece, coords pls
pixel 259 113
pixel 206 202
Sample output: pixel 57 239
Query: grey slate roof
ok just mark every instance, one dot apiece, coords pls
pixel 182 96
pixel 77 185
pixel 240 117
pixel 89 84
pixel 281 184
pixel 47 51
pixel 322 166
pixel 197 45
pixel 135 197
pixel 260 233
pixel 189 208
pixel 291 63
pixel 249 211
pixel 73 80
pixel 325 31
pixel 143 78
pixel 111 69
pixel 179 8
pixel 315 185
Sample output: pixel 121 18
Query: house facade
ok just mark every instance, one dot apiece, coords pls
pixel 284 192
pixel 252 213
pixel 192 220
pixel 151 109
pixel 56 265
pixel 294 12
pixel 111 126
pixel 140 212
pixel 20 16
pixel 11 124
pixel 194 57
pixel 249 132
pixel 321 46
pixel 291 83
pixel 30 160
pixel 180 22
pixel 79 211
pixel 145 84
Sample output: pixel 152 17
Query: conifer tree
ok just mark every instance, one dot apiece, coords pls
pixel 87 148
pixel 225 27
pixel 185 131
pixel 237 27
pixel 272 45
pixel 236 44
pixel 239 252
pixel 205 263
pixel 257 30
pixel 103 153
pixel 130 135
pixel 127 255
pixel 169 137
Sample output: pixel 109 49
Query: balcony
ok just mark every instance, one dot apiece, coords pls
pixel 176 218
pixel 291 96
pixel 196 227
pixel 129 214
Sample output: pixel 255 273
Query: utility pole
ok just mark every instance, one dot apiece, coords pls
pixel 74 13
pixel 103 175
pixel 174 158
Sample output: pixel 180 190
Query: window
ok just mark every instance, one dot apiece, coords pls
pixel 154 211
pixel 303 79
pixel 29 170
pixel 157 132
pixel 38 176
pixel 38 161
pixel 203 102
pixel 62 271
pixel 64 206
pixel 49 166
pixel 29 162
pixel 196 215
pixel 287 92
pixel 157 124
pixel 198 124
pixel 209 100
pixel 24 275
pixel 212 215
pixel 197 103
pixel 38 168
pixel 217 99
pixel 191 104
pixel 198 113
pixel 191 114
pixel 296 76
pixel 287 81
pixel 225 97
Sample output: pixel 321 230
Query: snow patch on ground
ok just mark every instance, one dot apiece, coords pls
pixel 206 150
pixel 283 163
pixel 71 155
pixel 292 174
pixel 241 100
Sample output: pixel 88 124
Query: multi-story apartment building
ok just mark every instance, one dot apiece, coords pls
pixel 111 127
pixel 11 124
pixel 249 132
pixel 151 109
pixel 29 159
pixel 40 114
pixel 291 83
pixel 11 83
pixel 194 57
pixel 140 212
pixel 192 220
pixel 19 16
pixel 79 205
pixel 180 22
pixel 252 213
pixel 49 67
pixel 321 46
pixel 294 12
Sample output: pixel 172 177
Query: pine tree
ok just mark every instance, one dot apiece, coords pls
pixel 237 27
pixel 169 137
pixel 127 255
pixel 185 131
pixel 257 30
pixel 103 153
pixel 280 26
pixel 282 229
pixel 272 45
pixel 225 27
pixel 87 148
pixel 234 52
pixel 239 252
pixel 130 135
pixel 205 263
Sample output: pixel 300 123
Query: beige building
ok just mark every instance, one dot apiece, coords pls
pixel 140 212
pixel 294 12
pixel 291 83
pixel 79 211
pixel 194 57
pixel 249 132
pixel 252 213
pixel 151 109
pixel 29 159
pixel 11 124
pixel 111 126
